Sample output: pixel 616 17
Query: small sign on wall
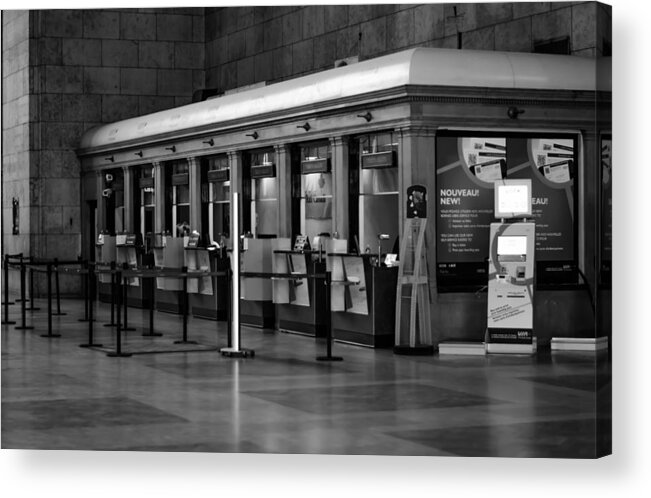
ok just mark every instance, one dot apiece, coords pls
pixel 15 216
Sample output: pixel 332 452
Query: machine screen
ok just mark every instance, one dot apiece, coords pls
pixel 512 245
pixel 512 200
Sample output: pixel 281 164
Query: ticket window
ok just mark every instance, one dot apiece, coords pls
pixel 263 221
pixel 147 201
pixel 113 195
pixel 312 191
pixel 215 196
pixel 378 191
pixel 179 188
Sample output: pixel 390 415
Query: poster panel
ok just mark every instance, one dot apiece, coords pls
pixel 606 210
pixel 466 169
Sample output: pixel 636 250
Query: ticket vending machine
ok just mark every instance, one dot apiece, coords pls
pixel 105 254
pixel 511 277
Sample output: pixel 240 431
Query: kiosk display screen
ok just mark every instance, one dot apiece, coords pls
pixel 512 199
pixel 512 245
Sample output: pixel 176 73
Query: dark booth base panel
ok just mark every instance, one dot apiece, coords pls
pixel 309 329
pixel 209 314
pixel 371 341
pixel 262 322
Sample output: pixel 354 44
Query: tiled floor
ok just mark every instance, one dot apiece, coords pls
pixel 56 395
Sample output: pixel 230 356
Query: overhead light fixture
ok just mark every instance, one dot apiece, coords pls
pixel 110 158
pixel 305 126
pixel 172 148
pixel 210 142
pixel 253 135
pixel 513 112
pixel 139 153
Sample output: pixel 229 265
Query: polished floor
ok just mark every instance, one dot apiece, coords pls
pixel 171 397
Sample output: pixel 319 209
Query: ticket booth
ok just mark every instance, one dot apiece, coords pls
pixel 260 225
pixel 367 286
pixel 145 205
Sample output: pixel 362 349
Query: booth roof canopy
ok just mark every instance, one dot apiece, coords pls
pixel 419 66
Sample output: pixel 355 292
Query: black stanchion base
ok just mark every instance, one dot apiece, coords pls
pixel 154 334
pixel 21 300
pixel 59 314
pixel 10 303
pixel 90 345
pixel 329 358
pixel 8 322
pixel 83 319
pixel 110 325
pixel 26 327
pixel 32 309
pixel 237 353
pixel 186 342
pixel 129 329
pixel 118 355
pixel 50 335
pixel 414 351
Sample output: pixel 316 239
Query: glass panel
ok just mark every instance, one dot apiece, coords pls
pixel 265 188
pixel 217 163
pixel 182 220
pixel 379 142
pixel 221 191
pixel 221 218
pixel 148 196
pixel 315 151
pixel 262 158
pixel 179 167
pixel 182 194
pixel 379 181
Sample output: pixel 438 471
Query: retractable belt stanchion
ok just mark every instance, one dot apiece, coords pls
pixel 90 284
pixel 186 305
pixel 49 304
pixel 21 260
pixel 56 283
pixel 86 289
pixel 112 322
pixel 125 291
pixel 151 332
pixel 6 302
pixel 22 326
pixel 234 350
pixel 31 291
pixel 328 356
pixel 5 269
pixel 118 331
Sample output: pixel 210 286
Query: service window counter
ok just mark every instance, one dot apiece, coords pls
pixel 300 303
pixel 256 295
pixel 145 201
pixel 169 256
pixel 180 197
pixel 105 254
pixel 375 184
pixel 215 198
pixel 139 293
pixel 363 298
pixel 207 295
pixel 263 195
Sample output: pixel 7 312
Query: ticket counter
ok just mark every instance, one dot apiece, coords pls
pixel 334 152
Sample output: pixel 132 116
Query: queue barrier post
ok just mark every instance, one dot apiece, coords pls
pixel 186 305
pixel 23 325
pixel 328 356
pixel 118 330
pixel 6 302
pixel 21 260
pixel 113 290
pixel 49 304
pixel 91 299
pixel 31 291
pixel 151 332
pixel 125 286
pixel 56 283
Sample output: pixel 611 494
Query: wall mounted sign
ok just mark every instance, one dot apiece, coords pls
pixel 263 171
pixel 315 166
pixel 378 160
pixel 219 175
pixel 181 179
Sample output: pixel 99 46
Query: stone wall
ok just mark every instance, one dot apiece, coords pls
pixel 15 129
pixel 248 45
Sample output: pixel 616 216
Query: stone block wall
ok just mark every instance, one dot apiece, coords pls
pixel 70 71
pixel 247 45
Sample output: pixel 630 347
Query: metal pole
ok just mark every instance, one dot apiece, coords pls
pixel 126 327
pixel 22 297
pixel 86 290
pixel 112 322
pixel 31 291
pixel 49 303
pixel 328 357
pixel 185 309
pixel 91 299
pixel 56 282
pixel 235 350
pixel 6 302
pixel 118 331
pixel 20 257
